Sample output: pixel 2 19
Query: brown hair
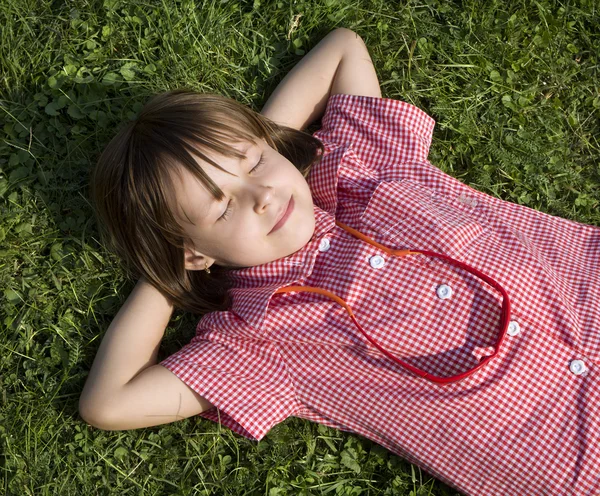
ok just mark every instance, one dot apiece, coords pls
pixel 132 190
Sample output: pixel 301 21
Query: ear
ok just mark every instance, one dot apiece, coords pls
pixel 194 260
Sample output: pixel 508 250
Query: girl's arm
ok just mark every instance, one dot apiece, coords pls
pixel 339 63
pixel 125 388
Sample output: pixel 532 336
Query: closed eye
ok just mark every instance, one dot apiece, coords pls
pixel 227 212
pixel 225 215
pixel 260 163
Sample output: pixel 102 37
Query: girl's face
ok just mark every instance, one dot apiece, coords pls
pixel 245 228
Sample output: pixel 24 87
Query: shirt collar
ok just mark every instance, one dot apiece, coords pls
pixel 253 286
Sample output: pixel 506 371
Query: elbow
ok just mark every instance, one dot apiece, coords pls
pixel 90 415
pixel 346 31
pixel 349 34
pixel 95 414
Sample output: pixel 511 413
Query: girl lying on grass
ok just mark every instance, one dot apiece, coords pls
pixel 344 279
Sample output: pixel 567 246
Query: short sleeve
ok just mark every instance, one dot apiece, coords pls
pixel 245 379
pixel 382 131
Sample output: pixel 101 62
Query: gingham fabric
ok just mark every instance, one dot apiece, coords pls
pixel 528 423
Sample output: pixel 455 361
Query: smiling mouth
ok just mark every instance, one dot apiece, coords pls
pixel 288 211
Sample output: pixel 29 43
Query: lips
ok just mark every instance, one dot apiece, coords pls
pixel 286 214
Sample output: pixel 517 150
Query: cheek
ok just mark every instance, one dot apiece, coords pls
pixel 239 235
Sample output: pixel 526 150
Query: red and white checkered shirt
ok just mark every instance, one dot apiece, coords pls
pixel 526 423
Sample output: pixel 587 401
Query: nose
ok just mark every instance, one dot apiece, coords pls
pixel 262 197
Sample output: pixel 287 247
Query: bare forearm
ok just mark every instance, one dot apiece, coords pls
pixel 131 342
pixel 126 388
pixel 301 97
pixel 339 63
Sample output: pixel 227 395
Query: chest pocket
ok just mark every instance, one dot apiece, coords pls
pixel 406 214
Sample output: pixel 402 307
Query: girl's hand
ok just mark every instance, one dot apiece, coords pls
pixel 339 63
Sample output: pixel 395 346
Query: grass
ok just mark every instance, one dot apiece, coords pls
pixel 513 86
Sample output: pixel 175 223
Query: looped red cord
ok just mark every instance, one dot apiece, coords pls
pixel 505 312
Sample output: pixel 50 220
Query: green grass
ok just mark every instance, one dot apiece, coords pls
pixel 514 87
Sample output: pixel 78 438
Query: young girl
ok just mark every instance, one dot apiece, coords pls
pixel 346 280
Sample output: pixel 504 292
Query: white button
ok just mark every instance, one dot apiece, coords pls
pixel 444 292
pixel 513 328
pixel 324 245
pixel 376 261
pixel 577 367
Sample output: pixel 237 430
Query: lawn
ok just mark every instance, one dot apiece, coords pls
pixel 513 86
